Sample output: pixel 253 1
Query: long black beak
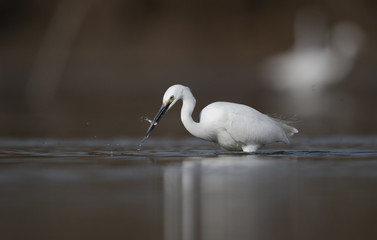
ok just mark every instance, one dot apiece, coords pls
pixel 157 118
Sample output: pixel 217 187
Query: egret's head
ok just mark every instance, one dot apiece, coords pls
pixel 171 96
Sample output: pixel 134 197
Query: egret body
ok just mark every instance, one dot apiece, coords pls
pixel 233 126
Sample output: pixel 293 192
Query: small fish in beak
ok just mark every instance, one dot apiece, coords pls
pixel 157 118
pixel 153 123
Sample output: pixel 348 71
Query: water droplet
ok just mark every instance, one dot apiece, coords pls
pixel 141 142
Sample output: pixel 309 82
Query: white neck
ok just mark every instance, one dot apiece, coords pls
pixel 186 115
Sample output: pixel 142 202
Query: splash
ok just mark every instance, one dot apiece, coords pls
pixel 141 142
pixel 146 136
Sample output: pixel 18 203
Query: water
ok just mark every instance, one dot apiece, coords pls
pixel 322 188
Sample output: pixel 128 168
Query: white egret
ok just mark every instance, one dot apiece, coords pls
pixel 233 126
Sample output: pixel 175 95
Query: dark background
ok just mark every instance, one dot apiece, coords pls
pixel 93 68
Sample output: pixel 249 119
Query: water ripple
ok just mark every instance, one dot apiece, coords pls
pixel 125 149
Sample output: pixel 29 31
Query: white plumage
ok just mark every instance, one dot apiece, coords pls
pixel 235 127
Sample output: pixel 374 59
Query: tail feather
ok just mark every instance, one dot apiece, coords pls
pixel 284 124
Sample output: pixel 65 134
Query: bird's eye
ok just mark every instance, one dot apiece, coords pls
pixel 170 100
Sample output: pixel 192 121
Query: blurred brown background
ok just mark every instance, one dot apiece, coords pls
pixel 93 68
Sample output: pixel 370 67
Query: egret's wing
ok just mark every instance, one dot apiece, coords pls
pixel 244 124
pixel 248 125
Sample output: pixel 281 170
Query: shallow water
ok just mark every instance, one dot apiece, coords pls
pixel 321 188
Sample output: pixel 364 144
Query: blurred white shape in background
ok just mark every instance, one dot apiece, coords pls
pixel 319 58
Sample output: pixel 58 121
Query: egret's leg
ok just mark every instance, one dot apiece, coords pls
pixel 250 148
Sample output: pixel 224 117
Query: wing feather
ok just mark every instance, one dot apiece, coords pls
pixel 243 123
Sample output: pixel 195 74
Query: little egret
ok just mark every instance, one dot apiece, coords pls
pixel 235 127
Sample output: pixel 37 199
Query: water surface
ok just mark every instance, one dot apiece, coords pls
pixel 321 188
